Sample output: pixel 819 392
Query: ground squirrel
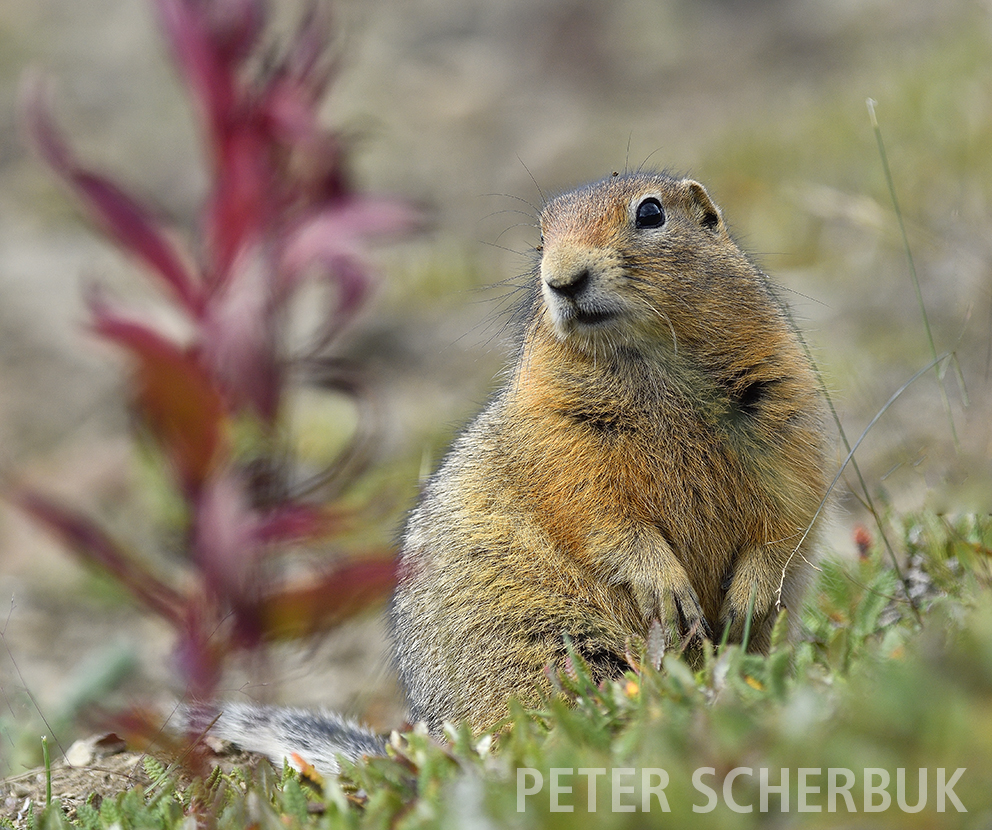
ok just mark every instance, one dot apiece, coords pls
pixel 657 453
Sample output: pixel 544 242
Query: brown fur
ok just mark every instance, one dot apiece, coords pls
pixel 657 454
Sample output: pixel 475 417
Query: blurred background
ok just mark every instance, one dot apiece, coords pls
pixel 478 110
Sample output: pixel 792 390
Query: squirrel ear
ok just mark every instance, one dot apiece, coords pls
pixel 704 209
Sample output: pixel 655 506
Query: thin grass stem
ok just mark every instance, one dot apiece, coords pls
pixel 912 265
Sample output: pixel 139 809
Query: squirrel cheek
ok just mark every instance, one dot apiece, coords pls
pixel 558 300
pixel 557 309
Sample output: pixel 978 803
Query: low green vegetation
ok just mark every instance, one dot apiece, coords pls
pixel 880 715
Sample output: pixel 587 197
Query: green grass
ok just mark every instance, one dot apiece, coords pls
pixel 867 687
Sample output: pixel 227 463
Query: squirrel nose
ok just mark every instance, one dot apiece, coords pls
pixel 569 285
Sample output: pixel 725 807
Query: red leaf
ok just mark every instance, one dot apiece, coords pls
pixel 334 229
pixel 143 731
pixel 308 47
pixel 90 542
pixel 235 26
pixel 290 98
pixel 201 648
pixel 239 339
pixel 224 537
pixel 175 396
pixel 208 52
pixel 289 111
pixel 230 534
pixel 295 522
pixel 244 198
pixel 330 239
pixel 126 221
pixel 317 606
pixel 204 57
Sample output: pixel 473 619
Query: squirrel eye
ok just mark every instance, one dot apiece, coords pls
pixel 650 214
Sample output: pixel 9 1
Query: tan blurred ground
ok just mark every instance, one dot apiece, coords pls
pixel 475 107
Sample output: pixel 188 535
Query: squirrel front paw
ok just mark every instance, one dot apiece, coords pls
pixel 748 609
pixel 678 611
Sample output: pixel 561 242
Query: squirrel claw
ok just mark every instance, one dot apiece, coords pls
pixel 681 618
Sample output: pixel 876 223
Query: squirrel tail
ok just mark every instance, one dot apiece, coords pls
pixel 301 736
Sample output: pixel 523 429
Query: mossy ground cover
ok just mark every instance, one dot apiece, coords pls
pixel 880 715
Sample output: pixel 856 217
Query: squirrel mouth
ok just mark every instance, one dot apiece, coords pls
pixel 591 316
pixel 570 316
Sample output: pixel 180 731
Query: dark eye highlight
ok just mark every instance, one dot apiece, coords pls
pixel 650 214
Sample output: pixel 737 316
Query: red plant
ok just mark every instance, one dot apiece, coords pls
pixel 863 541
pixel 281 211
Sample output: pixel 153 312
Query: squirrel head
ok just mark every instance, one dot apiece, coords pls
pixel 639 260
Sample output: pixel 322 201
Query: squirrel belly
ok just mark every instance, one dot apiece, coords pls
pixel 657 455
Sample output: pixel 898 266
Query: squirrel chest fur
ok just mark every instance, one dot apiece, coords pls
pixel 657 454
